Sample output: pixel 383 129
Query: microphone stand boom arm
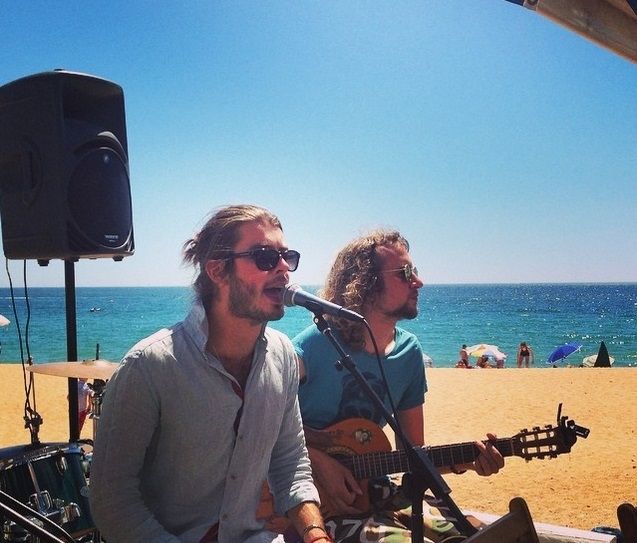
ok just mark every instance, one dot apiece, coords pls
pixel 423 474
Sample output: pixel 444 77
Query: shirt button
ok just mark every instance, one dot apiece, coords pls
pixel 233 476
pixel 224 517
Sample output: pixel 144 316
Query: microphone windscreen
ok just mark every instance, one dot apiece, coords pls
pixel 288 294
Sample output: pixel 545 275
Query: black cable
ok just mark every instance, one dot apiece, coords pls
pixel 32 418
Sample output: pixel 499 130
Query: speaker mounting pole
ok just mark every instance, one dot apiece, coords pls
pixel 71 346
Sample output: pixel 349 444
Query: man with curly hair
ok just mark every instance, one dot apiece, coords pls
pixel 374 276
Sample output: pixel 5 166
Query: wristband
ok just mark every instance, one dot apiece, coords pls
pixel 457 471
pixel 307 529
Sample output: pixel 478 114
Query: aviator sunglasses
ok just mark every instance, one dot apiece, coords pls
pixel 266 258
pixel 409 272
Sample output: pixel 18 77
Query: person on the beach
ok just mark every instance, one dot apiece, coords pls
pixel 374 276
pixel 463 361
pixel 525 355
pixel 198 415
pixel 483 362
pixel 84 394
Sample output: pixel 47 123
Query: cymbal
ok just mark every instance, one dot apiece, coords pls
pixel 87 369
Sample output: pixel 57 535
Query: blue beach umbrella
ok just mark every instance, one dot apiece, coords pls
pixel 563 351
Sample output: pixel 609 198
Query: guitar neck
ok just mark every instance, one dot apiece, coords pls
pixel 376 464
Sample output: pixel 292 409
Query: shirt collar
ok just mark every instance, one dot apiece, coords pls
pixel 196 325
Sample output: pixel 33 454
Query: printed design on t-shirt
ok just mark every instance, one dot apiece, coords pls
pixel 355 403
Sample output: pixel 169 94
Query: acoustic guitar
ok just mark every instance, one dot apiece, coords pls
pixel 363 447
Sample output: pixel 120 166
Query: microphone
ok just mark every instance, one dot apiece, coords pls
pixel 295 295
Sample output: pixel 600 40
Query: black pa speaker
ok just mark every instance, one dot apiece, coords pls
pixel 64 181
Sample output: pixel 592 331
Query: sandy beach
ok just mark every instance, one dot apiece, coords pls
pixel 581 489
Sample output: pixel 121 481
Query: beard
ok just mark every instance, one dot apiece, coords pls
pixel 242 303
pixel 406 311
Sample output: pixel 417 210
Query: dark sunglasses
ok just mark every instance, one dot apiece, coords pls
pixel 409 272
pixel 267 258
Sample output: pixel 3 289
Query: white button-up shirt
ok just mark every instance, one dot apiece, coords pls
pixel 180 447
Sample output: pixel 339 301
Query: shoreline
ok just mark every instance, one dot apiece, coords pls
pixel 581 489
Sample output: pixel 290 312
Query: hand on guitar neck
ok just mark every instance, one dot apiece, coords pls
pixel 488 461
pixel 340 451
pixel 341 492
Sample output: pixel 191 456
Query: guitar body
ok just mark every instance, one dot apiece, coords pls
pixel 348 438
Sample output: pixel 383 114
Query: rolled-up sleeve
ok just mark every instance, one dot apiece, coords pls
pixel 290 474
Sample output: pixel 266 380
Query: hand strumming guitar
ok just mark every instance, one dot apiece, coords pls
pixel 335 481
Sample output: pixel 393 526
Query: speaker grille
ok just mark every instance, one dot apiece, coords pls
pixel 99 201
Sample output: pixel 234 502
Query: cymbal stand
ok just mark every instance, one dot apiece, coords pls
pixel 97 387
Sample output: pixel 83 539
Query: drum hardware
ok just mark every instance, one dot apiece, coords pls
pixel 61 464
pixel 96 398
pixel 97 386
pixel 27 525
pixel 48 481
pixel 32 422
pixel 56 509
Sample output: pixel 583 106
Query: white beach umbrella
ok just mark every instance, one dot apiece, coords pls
pixel 4 321
pixel 601 359
pixel 589 361
pixel 485 349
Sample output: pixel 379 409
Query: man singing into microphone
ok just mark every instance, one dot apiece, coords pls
pixel 200 414
pixel 374 276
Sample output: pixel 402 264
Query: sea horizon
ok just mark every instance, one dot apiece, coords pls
pixel 317 285
pixel 545 315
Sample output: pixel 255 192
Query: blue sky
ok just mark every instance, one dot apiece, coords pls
pixel 503 146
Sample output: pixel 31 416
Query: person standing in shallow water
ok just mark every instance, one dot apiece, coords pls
pixel 525 355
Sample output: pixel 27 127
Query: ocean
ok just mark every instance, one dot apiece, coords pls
pixel 543 315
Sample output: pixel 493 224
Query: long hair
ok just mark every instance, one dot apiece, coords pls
pixel 216 239
pixel 354 280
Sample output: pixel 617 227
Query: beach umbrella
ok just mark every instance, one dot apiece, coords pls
pixel 591 361
pixel 4 321
pixel 482 349
pixel 599 360
pixel 427 361
pixel 561 352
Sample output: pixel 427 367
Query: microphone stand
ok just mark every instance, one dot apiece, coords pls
pixel 423 474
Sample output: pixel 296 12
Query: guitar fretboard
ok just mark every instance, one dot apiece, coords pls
pixel 376 464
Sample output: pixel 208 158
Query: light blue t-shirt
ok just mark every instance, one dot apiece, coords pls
pixel 328 395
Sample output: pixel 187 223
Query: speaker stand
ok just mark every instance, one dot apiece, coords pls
pixel 71 346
